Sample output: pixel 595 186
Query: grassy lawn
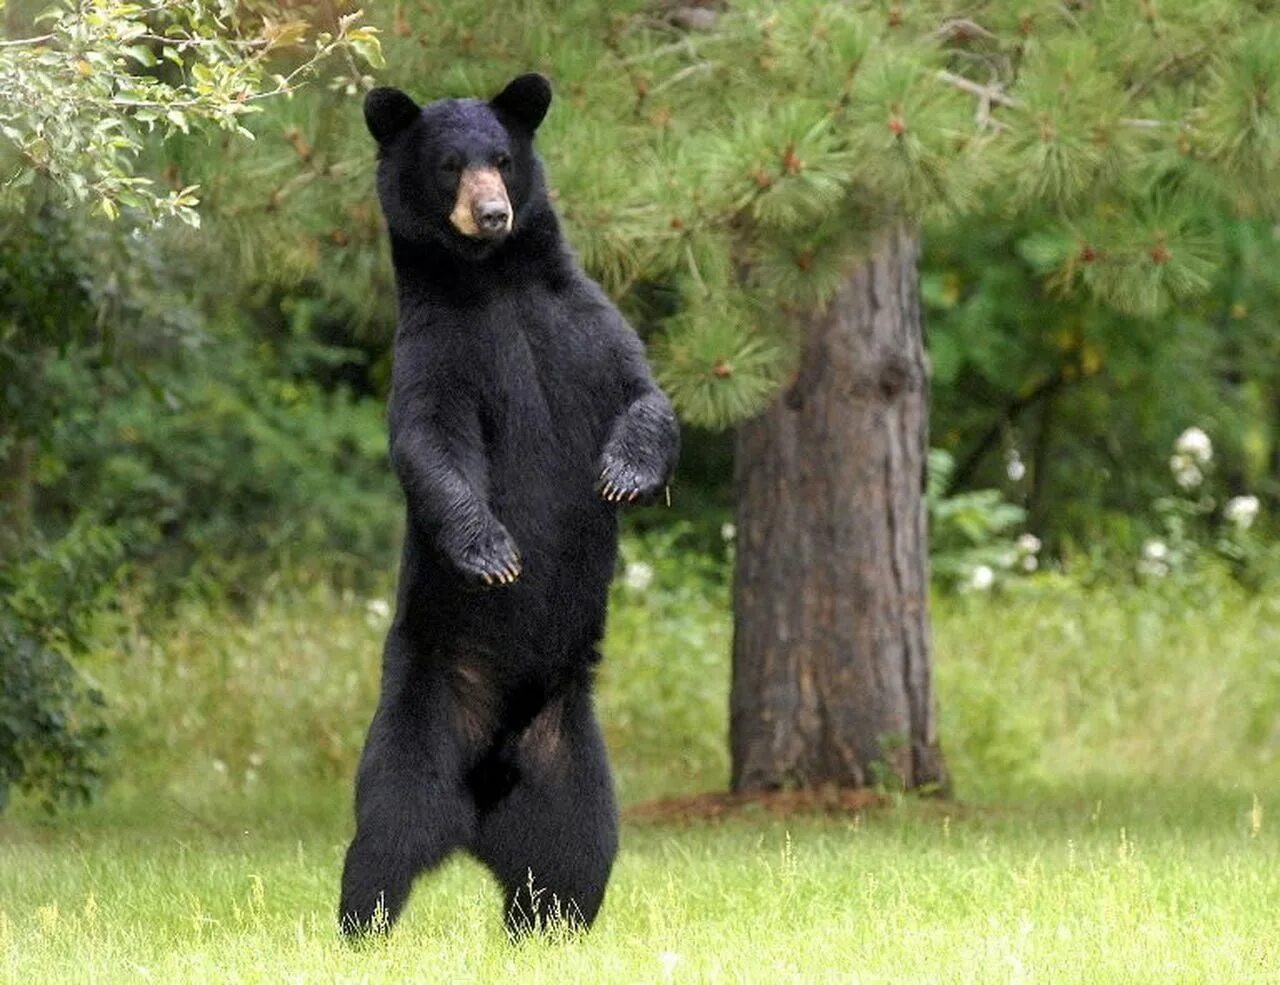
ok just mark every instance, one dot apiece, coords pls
pixel 1177 886
pixel 1119 814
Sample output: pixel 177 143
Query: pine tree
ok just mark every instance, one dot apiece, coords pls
pixel 775 164
pixel 1120 129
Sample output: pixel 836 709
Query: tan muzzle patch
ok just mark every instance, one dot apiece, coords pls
pixel 482 208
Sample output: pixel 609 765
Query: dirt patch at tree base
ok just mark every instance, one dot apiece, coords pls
pixel 719 806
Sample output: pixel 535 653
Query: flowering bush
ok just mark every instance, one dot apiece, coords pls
pixel 970 540
pixel 1241 511
pixel 1196 530
pixel 1192 453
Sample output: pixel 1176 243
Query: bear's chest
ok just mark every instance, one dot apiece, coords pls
pixel 551 379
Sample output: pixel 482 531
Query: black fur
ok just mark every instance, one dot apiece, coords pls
pixel 520 400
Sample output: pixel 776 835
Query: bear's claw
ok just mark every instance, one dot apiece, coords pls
pixel 493 574
pixel 489 560
pixel 622 482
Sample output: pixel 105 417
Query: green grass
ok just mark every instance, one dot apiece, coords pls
pixel 1117 755
pixel 1185 891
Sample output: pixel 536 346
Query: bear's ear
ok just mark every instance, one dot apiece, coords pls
pixel 387 111
pixel 524 100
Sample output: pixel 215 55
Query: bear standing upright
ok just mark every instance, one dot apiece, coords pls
pixel 522 412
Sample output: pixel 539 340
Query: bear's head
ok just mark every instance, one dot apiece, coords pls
pixel 459 172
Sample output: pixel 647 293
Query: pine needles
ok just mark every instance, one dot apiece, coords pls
pixel 741 169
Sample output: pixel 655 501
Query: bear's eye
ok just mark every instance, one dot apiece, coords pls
pixel 503 160
pixel 451 166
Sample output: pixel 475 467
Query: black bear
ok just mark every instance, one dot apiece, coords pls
pixel 522 412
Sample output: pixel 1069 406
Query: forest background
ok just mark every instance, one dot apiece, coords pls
pixel 199 525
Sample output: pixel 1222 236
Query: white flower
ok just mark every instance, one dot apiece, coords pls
pixel 219 766
pixel 728 531
pixel 981 578
pixel 1014 467
pixel 1155 559
pixel 638 576
pixel 1185 471
pixel 1029 563
pixel 1029 544
pixel 1241 511
pixel 376 612
pixel 1194 443
pixel 669 960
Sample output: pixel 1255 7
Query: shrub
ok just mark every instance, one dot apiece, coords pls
pixel 202 474
pixel 52 734
pixel 218 474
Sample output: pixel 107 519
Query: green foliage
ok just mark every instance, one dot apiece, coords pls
pixel 1118 138
pixel 678 168
pixel 1170 679
pixel 664 676
pixel 715 370
pixel 51 735
pixel 105 389
pixel 293 214
pixel 1239 127
pixel 216 470
pixel 211 476
pixel 969 532
pixel 1070 408
pixel 162 446
pixel 1201 536
pixel 1154 683
pixel 1138 268
pixel 84 91
pixel 52 731
pixel 1068 128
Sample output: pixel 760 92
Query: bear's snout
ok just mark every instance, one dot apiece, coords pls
pixel 492 216
pixel 482 209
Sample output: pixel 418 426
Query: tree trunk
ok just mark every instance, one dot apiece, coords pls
pixel 832 678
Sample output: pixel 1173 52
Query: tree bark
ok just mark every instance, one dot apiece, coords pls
pixel 832 677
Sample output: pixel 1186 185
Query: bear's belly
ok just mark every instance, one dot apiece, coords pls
pixel 567 537
pixel 549 619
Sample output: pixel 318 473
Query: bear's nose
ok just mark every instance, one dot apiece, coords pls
pixel 492 216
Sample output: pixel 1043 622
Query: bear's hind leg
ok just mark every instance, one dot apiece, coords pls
pixel 411 812
pixel 552 839
pixel 376 878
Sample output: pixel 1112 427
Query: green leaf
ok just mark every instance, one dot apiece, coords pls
pixel 946 358
pixel 141 54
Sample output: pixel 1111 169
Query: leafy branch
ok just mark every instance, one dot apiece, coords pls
pixel 80 102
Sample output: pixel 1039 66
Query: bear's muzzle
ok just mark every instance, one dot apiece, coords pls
pixel 482 209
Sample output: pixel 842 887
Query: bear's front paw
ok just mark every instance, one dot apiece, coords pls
pixel 622 481
pixel 489 558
